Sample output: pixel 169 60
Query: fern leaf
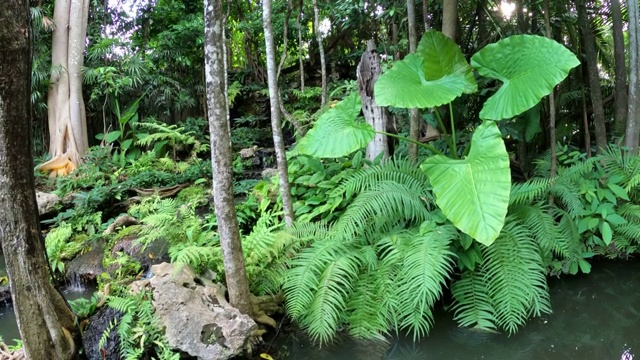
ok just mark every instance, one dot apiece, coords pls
pixel 472 304
pixel 515 276
pixel 424 273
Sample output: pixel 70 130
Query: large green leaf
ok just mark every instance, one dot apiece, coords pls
pixel 436 74
pixel 529 67
pixel 338 132
pixel 443 57
pixel 474 192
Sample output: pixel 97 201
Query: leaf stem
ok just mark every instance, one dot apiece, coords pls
pixel 444 132
pixel 453 133
pixel 426 146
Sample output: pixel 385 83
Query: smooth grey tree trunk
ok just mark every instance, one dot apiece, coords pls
pixel 323 62
pixel 450 18
pixel 276 123
pixel 368 71
pixel 632 133
pixel 589 46
pixel 222 157
pixel 44 319
pixel 68 138
pixel 621 98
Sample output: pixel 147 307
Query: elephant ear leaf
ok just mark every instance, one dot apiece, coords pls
pixel 474 192
pixel 529 67
pixel 436 74
pixel 338 132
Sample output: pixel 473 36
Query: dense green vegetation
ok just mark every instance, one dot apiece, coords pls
pixel 510 191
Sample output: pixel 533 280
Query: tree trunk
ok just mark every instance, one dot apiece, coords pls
pixel 276 123
pixel 589 46
pixel 221 156
pixel 44 319
pixel 621 99
pixel 323 63
pixel 300 58
pixel 67 118
pixel 414 125
pixel 368 71
pixel 450 18
pixel 425 14
pixel 632 133
pixel 552 101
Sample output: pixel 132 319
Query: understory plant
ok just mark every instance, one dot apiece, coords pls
pixel 410 231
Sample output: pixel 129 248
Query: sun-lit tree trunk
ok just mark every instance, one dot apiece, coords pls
pixel 450 18
pixel 414 125
pixel 222 157
pixel 620 99
pixel 632 133
pixel 68 138
pixel 589 46
pixel 44 319
pixel 323 63
pixel 368 71
pixel 276 123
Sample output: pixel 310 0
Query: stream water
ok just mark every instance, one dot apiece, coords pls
pixel 596 316
pixel 8 326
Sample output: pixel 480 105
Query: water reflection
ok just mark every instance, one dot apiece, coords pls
pixel 596 316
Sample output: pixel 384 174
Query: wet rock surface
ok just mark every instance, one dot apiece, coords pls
pixel 98 324
pixel 88 266
pixel 147 256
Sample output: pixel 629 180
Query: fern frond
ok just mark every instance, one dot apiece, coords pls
pixel 303 278
pixel 380 208
pixel 472 305
pixel 399 170
pixel 424 273
pixel 330 300
pixel 515 276
pixel 568 194
pixel 527 192
pixel 368 307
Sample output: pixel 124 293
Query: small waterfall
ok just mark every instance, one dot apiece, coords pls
pixel 75 285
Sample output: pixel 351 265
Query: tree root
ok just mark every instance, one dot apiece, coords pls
pixel 6 354
pixel 60 165
pixel 264 306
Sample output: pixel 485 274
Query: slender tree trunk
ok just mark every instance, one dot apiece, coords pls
pixel 414 125
pixel 589 46
pixel 221 155
pixel 276 123
pixel 620 99
pixel 66 110
pixel 425 14
pixel 585 124
pixel 323 63
pixel 632 133
pixel 44 319
pixel 368 71
pixel 450 18
pixel 552 101
pixel 300 57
